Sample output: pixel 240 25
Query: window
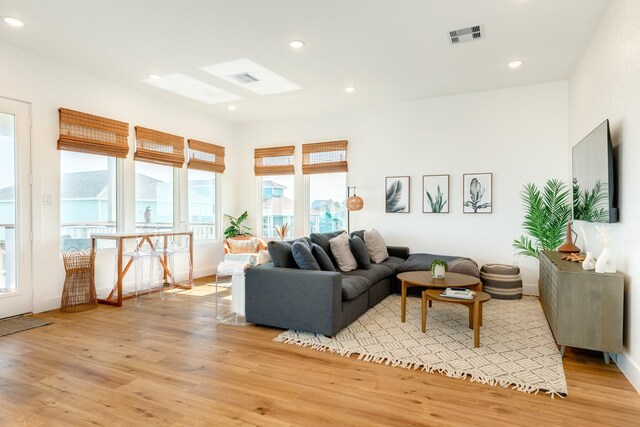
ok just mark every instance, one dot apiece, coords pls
pixel 327 196
pixel 202 203
pixel 277 204
pixel 154 195
pixel 87 197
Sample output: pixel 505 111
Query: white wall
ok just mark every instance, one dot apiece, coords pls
pixel 48 85
pixel 513 133
pixel 606 85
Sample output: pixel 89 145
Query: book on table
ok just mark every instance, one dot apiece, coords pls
pixel 460 293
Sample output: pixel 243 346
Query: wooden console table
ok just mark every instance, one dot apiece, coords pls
pixel 584 308
pixel 144 237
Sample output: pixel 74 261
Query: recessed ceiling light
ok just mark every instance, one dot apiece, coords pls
pixel 515 64
pixel 14 22
pixel 154 76
pixel 350 89
pixel 296 44
pixel 231 107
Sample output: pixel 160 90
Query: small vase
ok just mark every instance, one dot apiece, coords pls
pixel 438 272
pixel 606 262
pixel 589 262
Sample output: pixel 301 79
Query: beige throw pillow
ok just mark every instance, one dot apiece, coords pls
pixel 342 252
pixel 376 246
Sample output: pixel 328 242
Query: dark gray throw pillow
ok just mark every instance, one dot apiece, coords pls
pixel 322 240
pixel 303 256
pixel 359 233
pixel 359 251
pixel 322 258
pixel 280 252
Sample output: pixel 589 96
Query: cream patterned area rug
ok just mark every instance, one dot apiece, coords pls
pixel 517 349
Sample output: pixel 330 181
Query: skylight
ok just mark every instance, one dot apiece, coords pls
pixel 191 88
pixel 251 76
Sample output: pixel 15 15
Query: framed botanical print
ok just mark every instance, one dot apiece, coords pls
pixel 477 192
pixel 435 193
pixel 397 194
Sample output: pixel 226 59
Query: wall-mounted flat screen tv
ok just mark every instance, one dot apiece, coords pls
pixel 594 189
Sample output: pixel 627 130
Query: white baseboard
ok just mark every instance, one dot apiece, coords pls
pixel 630 369
pixel 530 289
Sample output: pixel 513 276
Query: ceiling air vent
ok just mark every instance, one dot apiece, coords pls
pixel 244 78
pixel 466 34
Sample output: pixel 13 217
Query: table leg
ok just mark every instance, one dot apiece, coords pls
pixel 424 311
pixel 470 316
pixel 190 237
pixel 119 272
pixel 403 302
pixel 476 323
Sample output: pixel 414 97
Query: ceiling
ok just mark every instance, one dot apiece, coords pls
pixel 390 50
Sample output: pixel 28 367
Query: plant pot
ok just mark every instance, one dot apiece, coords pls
pixel 438 272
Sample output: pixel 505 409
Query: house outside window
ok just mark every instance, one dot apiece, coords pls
pixel 327 197
pixel 277 205
pixel 202 204
pixel 154 196
pixel 87 198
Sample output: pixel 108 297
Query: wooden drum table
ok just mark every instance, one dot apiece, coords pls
pixel 475 309
pixel 426 280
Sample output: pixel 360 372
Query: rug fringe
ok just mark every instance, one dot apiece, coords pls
pixel 398 363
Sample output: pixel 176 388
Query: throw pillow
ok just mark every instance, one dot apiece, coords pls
pixel 376 246
pixel 303 256
pixel 359 251
pixel 342 252
pixel 243 246
pixel 359 233
pixel 281 252
pixel 322 258
pixel 322 240
pixel 264 257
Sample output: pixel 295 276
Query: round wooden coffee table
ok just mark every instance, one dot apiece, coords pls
pixel 475 309
pixel 425 279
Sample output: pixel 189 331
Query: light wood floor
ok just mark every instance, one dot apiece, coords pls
pixel 170 363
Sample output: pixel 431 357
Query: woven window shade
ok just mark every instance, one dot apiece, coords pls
pixel 274 161
pixel 158 147
pixel 86 133
pixel 205 157
pixel 324 157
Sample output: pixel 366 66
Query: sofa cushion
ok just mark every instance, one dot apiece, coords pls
pixel 354 286
pixel 376 246
pixel 322 258
pixel 281 252
pixel 322 240
pixel 464 266
pixel 421 262
pixel 342 252
pixel 393 263
pixel 373 274
pixel 359 251
pixel 303 256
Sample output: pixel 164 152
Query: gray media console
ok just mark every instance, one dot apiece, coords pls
pixel 584 308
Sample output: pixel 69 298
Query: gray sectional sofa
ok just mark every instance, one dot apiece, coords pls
pixel 323 302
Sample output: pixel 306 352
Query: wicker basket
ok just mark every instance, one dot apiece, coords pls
pixel 79 293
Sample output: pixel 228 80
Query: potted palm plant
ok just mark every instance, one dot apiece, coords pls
pixel 438 268
pixel 547 213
